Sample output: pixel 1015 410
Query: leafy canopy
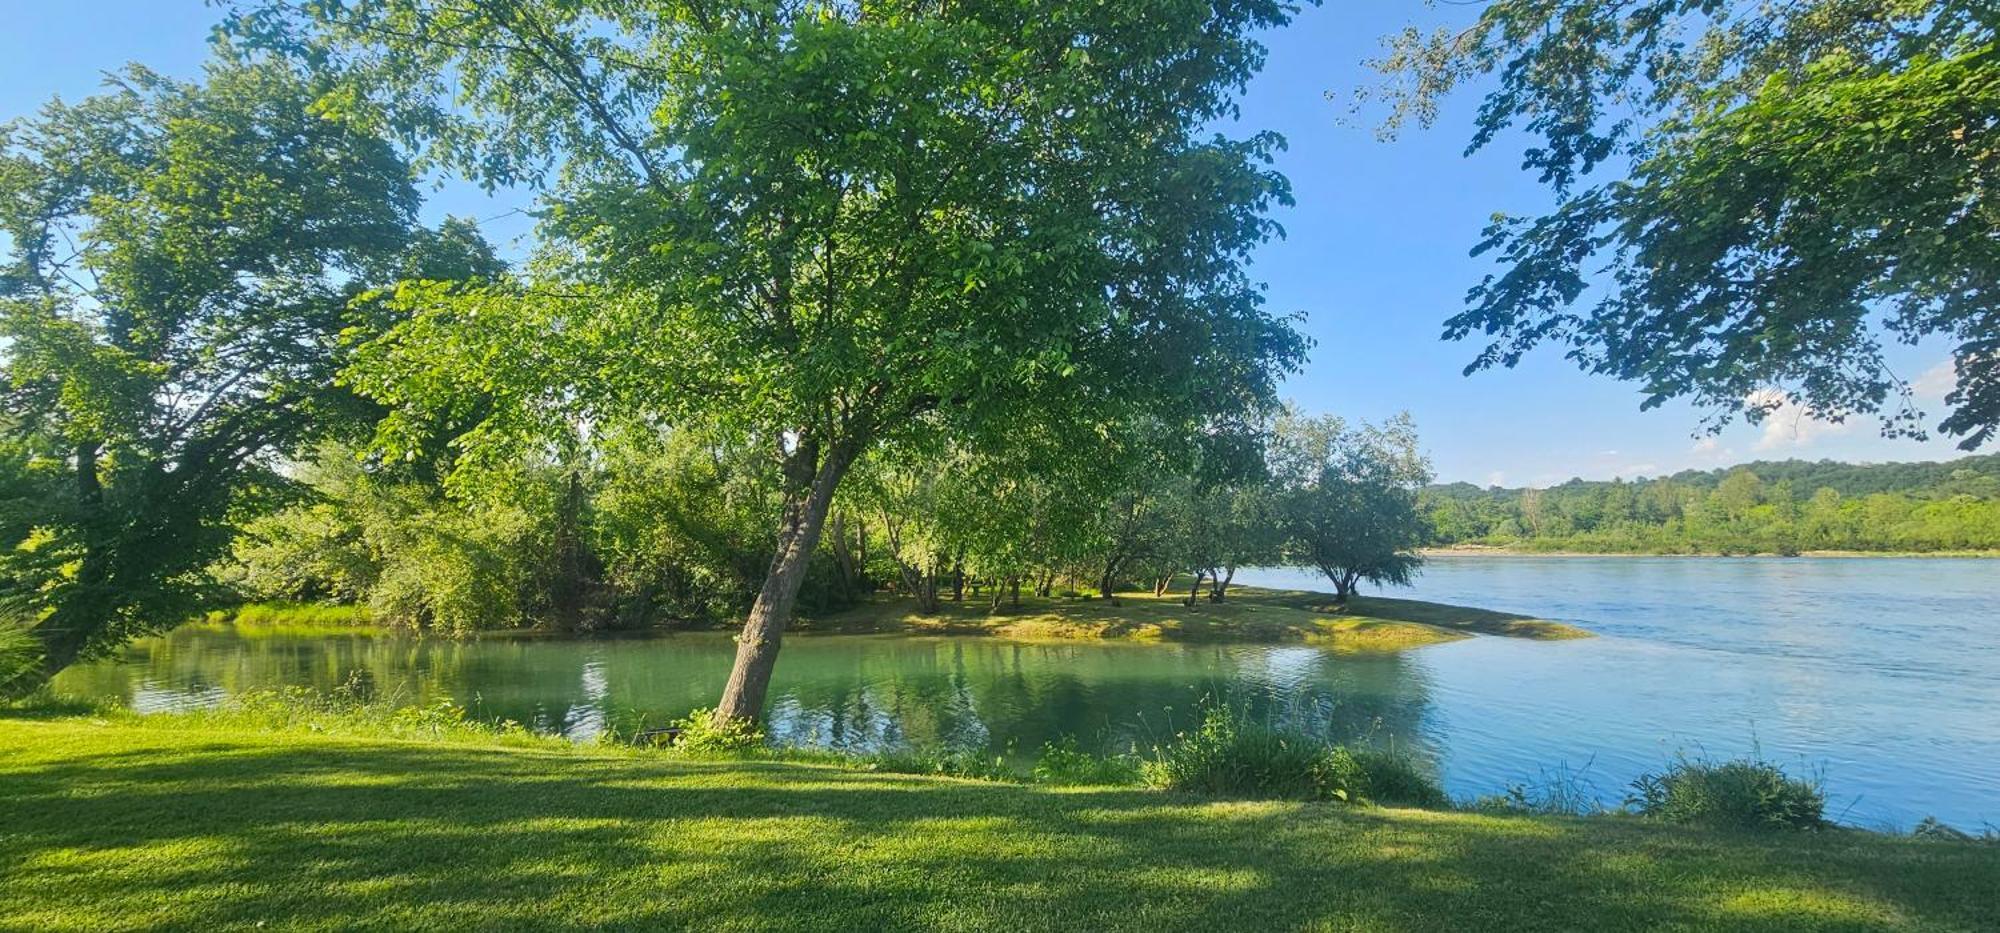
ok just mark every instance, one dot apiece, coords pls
pixel 179 260
pixel 1752 198
pixel 825 224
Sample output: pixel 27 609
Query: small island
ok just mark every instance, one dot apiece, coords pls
pixel 1248 614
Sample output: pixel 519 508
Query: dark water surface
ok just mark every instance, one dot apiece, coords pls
pixel 1883 675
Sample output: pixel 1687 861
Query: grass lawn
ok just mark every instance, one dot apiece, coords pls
pixel 1366 623
pixel 117 824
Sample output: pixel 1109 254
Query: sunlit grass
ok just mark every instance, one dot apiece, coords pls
pixel 120 825
pixel 1365 623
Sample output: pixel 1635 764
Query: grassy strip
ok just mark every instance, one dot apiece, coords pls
pixel 291 618
pixel 113 824
pixel 1365 623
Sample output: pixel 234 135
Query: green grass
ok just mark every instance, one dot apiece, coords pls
pixel 1365 623
pixel 182 824
pixel 290 618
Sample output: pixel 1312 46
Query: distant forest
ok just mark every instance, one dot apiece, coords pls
pixel 1767 507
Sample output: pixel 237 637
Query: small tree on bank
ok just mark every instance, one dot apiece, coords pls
pixel 1346 498
pixel 831 226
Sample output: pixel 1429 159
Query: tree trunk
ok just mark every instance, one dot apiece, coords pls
pixel 1219 589
pixel 798 536
pixel 958 579
pixel 1016 583
pixel 1194 595
pixel 68 630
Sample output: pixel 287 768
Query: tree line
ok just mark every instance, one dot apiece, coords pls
pixel 672 526
pixel 1783 507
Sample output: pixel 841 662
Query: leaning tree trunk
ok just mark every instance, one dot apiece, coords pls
pixel 798 535
pixel 62 637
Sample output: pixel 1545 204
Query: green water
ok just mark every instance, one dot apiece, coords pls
pixel 1879 674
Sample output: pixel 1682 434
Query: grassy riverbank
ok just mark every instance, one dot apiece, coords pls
pixel 1365 623
pixel 1250 614
pixel 174 823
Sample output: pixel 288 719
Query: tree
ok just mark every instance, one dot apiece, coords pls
pixel 830 226
pixel 1769 190
pixel 1346 497
pixel 180 262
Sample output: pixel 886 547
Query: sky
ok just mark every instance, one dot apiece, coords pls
pixel 1375 257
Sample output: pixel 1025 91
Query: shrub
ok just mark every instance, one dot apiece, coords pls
pixel 1742 794
pixel 1232 757
pixel 700 734
pixel 1062 763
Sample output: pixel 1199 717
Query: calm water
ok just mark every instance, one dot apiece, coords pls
pixel 1881 674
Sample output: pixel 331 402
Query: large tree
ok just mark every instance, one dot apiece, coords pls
pixel 1752 198
pixel 829 225
pixel 179 261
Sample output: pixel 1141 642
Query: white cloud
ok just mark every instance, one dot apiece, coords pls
pixel 1936 382
pixel 1787 425
pixel 1496 478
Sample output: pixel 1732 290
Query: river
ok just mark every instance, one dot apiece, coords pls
pixel 1880 675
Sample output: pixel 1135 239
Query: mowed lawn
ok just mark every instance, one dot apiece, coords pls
pixel 115 825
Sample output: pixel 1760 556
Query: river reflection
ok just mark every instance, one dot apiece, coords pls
pixel 844 692
pixel 1880 674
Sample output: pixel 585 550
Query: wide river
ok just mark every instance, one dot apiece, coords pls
pixel 1881 676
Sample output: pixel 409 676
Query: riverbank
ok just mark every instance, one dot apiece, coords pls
pixel 1488 550
pixel 1249 614
pixel 123 824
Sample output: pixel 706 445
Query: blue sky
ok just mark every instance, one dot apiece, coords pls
pixel 1375 256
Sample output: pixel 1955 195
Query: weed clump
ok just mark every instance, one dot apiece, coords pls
pixel 1230 756
pixel 1743 794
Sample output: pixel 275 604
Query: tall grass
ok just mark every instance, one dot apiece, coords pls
pixel 1742 794
pixel 1229 755
pixel 18 650
pixel 288 614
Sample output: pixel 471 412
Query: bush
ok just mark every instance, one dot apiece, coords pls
pixel 1062 763
pixel 700 734
pixel 1743 794
pixel 1231 757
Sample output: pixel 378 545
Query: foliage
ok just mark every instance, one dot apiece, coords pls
pixel 19 651
pixel 1772 508
pixel 1347 497
pixel 180 263
pixel 1742 794
pixel 1228 755
pixel 701 733
pixel 412 556
pixel 1039 225
pixel 1753 198
pixel 1064 764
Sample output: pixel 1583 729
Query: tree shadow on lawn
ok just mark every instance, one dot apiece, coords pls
pixel 213 833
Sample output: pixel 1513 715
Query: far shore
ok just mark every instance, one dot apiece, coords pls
pixel 1480 550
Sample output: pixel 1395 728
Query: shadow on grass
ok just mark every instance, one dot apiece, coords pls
pixel 121 827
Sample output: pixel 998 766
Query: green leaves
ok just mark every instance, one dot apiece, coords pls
pixel 1801 184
